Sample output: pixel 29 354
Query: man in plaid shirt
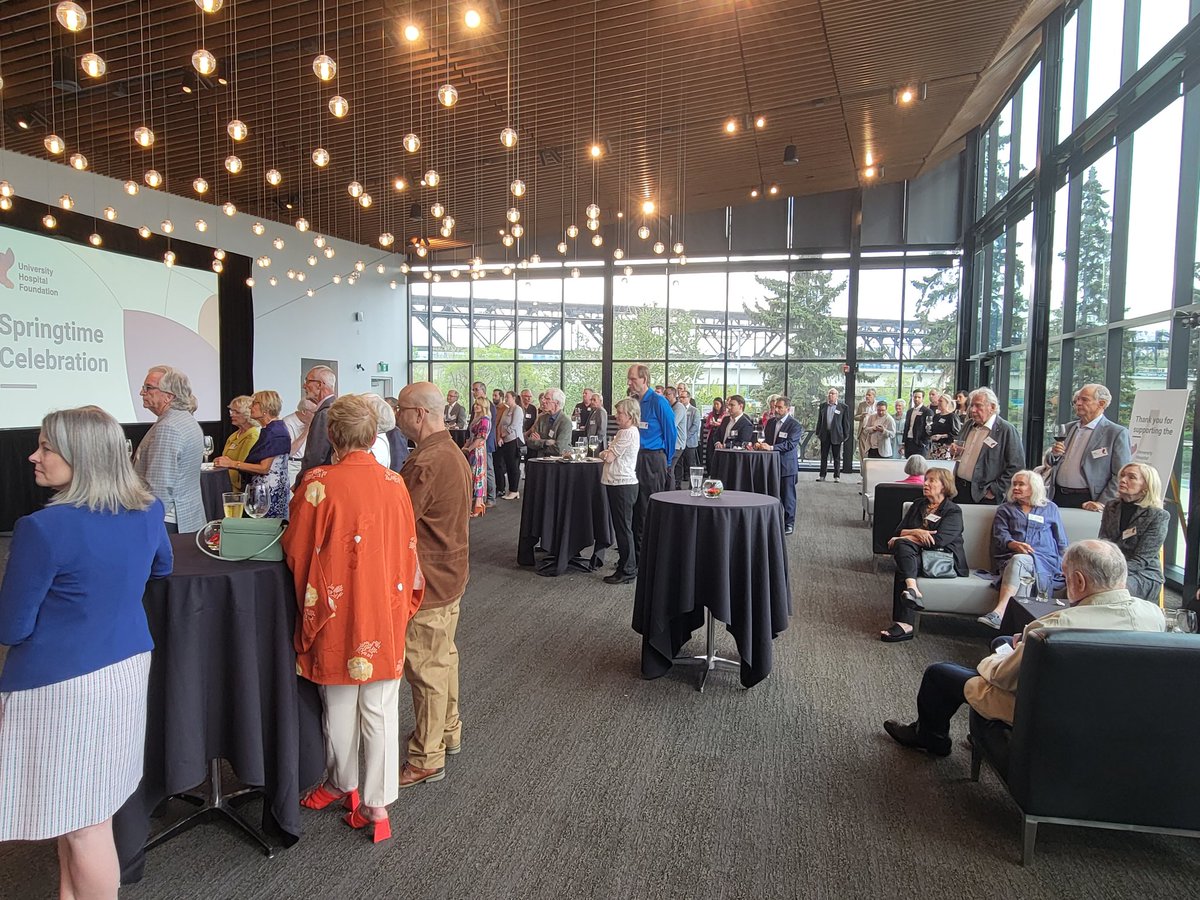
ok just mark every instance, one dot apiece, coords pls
pixel 169 456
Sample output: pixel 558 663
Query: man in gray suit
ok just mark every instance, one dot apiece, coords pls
pixel 453 414
pixel 988 450
pixel 551 433
pixel 320 386
pixel 1085 463
pixel 597 421
pixel 169 456
pixel 834 428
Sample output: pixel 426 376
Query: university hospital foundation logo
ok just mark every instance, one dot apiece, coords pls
pixel 7 258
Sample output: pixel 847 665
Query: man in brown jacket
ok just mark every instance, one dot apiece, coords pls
pixel 439 483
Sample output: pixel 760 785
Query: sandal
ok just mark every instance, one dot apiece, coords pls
pixel 912 597
pixel 895 634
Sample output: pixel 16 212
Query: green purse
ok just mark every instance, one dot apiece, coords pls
pixel 243 539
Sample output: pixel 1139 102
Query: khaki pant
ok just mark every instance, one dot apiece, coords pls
pixel 431 667
pixel 370 712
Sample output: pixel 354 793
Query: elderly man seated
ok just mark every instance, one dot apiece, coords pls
pixel 1095 573
pixel 551 432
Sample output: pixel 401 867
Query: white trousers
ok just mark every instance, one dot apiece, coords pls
pixel 370 714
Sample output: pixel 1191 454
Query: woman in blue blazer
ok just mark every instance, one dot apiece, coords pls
pixel 73 689
pixel 1028 543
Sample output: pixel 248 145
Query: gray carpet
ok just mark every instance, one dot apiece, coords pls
pixel 579 779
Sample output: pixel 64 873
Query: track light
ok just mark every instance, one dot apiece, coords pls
pixel 790 157
pixel 910 94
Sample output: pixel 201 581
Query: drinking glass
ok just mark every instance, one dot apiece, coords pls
pixel 1060 432
pixel 697 479
pixel 1181 620
pixel 208 447
pixel 129 447
pixel 593 444
pixel 234 502
pixel 257 502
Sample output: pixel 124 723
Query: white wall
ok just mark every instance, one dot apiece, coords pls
pixel 288 325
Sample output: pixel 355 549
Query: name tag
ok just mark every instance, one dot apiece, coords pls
pixel 990 442
pixel 1128 533
pixel 933 518
pixel 781 435
pixel 1034 517
pixel 1099 452
pixel 643 425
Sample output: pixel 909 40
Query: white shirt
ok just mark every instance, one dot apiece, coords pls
pixel 972 447
pixel 622 467
pixel 382 451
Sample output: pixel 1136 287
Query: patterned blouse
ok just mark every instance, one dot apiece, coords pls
pixel 352 548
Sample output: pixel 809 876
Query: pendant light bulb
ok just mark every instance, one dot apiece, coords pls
pixel 200 186
pixel 659 247
pixel 258 228
pixel 110 213
pixel 6 189
pixel 597 239
pixel 49 221
pixel 677 248
pixel 131 187
pixel 79 161
pixel 153 178
pixel 618 253
pixel 324 67
pixel 169 258
pixel 210 6
pixel 386 239
pixel 437 210
pixel 302 224
pixel 54 144
pixel 273 177
pixel 508 138
pixel 593 211
pixel 517 188
pixel 518 231
pixel 71 16
pixel 572 231
pixel 432 178
pixel 167 226
pixel 447 95
pixel 204 62
pixel 95 240
pixel 237 130
pixel 354 189
pixel 228 208
pixel 365 200
pixel 339 106
pixel 412 143
pixel 562 247
pixel 93 65
pixel 233 164
pixel 66 201
pixel 411 32
pixel 513 214
pixel 143 136
pixel 320 157
pixel 643 232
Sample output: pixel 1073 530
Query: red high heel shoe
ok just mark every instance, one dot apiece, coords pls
pixel 322 797
pixel 383 827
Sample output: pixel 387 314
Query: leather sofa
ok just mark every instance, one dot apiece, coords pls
pixel 1104 734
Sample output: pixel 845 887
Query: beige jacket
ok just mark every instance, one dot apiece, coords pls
pixel 993 692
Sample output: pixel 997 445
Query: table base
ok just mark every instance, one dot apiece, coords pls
pixel 215 805
pixel 709 660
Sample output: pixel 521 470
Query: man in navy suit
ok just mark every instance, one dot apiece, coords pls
pixel 783 436
pixel 834 428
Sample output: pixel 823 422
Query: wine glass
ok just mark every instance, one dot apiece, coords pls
pixel 258 499
pixel 129 448
pixel 593 443
pixel 208 447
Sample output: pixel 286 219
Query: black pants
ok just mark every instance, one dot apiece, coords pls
pixel 828 448
pixel 510 459
pixel 874 454
pixel 912 448
pixel 1065 498
pixel 621 501
pixel 908 565
pixel 966 496
pixel 684 460
pixel 652 476
pixel 940 696
pixel 498 471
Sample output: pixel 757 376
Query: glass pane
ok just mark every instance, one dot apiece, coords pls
pixel 1104 51
pixel 1015 411
pixel 808 383
pixel 1149 280
pixel 537 377
pixel 452 375
pixel 1067 96
pixel 493 312
pixel 923 376
pixel 994 294
pixel 539 318
pixel 493 375
pixel 449 320
pixel 1088 363
pixel 758 314
pixel 1001 175
pixel 819 307
pixel 640 317
pixel 583 318
pixel 880 302
pixel 418 371
pixel 705 380
pixel 982 277
pixel 1189 434
pixel 1095 243
pixel 884 376
pixel 580 375
pixel 696 301
pixel 1160 21
pixel 1058 272
pixel 1030 92
pixel 1053 379
pixel 930 313
pixel 620 384
pixel 1022 281
pixel 1145 353
pixel 986 184
pixel 418 321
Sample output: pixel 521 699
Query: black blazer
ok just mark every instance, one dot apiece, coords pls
pixel 741 433
pixel 842 424
pixel 1140 549
pixel 920 427
pixel 944 424
pixel 948 531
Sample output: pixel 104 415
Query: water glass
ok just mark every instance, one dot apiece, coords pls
pixel 696 479
pixel 257 501
pixel 1181 620
pixel 233 502
pixel 208 447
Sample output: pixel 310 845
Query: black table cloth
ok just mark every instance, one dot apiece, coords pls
pixel 459 435
pixel 1020 613
pixel 214 483
pixel 755 471
pixel 565 507
pixel 223 684
pixel 726 554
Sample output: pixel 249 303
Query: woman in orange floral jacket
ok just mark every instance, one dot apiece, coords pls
pixel 352 548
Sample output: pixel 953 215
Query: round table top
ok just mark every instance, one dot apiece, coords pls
pixel 726 500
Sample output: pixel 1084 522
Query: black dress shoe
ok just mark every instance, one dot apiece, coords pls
pixel 911 736
pixel 820 478
pixel 619 578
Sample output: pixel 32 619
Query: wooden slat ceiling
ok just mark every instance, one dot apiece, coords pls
pixel 667 74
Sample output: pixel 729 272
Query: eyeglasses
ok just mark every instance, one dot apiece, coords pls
pixel 312 381
pixel 147 388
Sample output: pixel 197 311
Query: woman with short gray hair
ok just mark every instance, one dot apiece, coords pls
pixel 73 689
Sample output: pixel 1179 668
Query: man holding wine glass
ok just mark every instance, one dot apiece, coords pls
pixel 1088 454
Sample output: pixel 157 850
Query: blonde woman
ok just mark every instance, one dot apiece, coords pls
pixel 238 444
pixel 1137 523
pixel 267 461
pixel 620 483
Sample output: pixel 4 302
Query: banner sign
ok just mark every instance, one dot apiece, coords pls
pixel 1156 428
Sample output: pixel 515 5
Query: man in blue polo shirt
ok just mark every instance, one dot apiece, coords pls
pixel 657 433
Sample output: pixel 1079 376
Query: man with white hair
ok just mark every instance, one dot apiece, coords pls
pixel 170 455
pixel 320 386
pixel 988 450
pixel 1085 464
pixel 1095 572
pixel 551 432
pixel 297 425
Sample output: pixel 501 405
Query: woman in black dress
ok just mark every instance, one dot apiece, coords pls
pixel 944 426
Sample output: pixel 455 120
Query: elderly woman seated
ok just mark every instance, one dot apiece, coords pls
pixel 935 522
pixel 1028 543
pixel 915 468
pixel 1137 523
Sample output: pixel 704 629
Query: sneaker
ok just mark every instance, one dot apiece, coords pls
pixel 512 495
pixel 411 775
pixel 454 749
pixel 788 529
pixel 820 478
pixel 992 620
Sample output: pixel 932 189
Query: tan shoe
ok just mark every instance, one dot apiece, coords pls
pixel 412 775
pixel 454 749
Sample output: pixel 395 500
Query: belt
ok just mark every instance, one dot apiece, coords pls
pixel 662 450
pixel 1070 490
